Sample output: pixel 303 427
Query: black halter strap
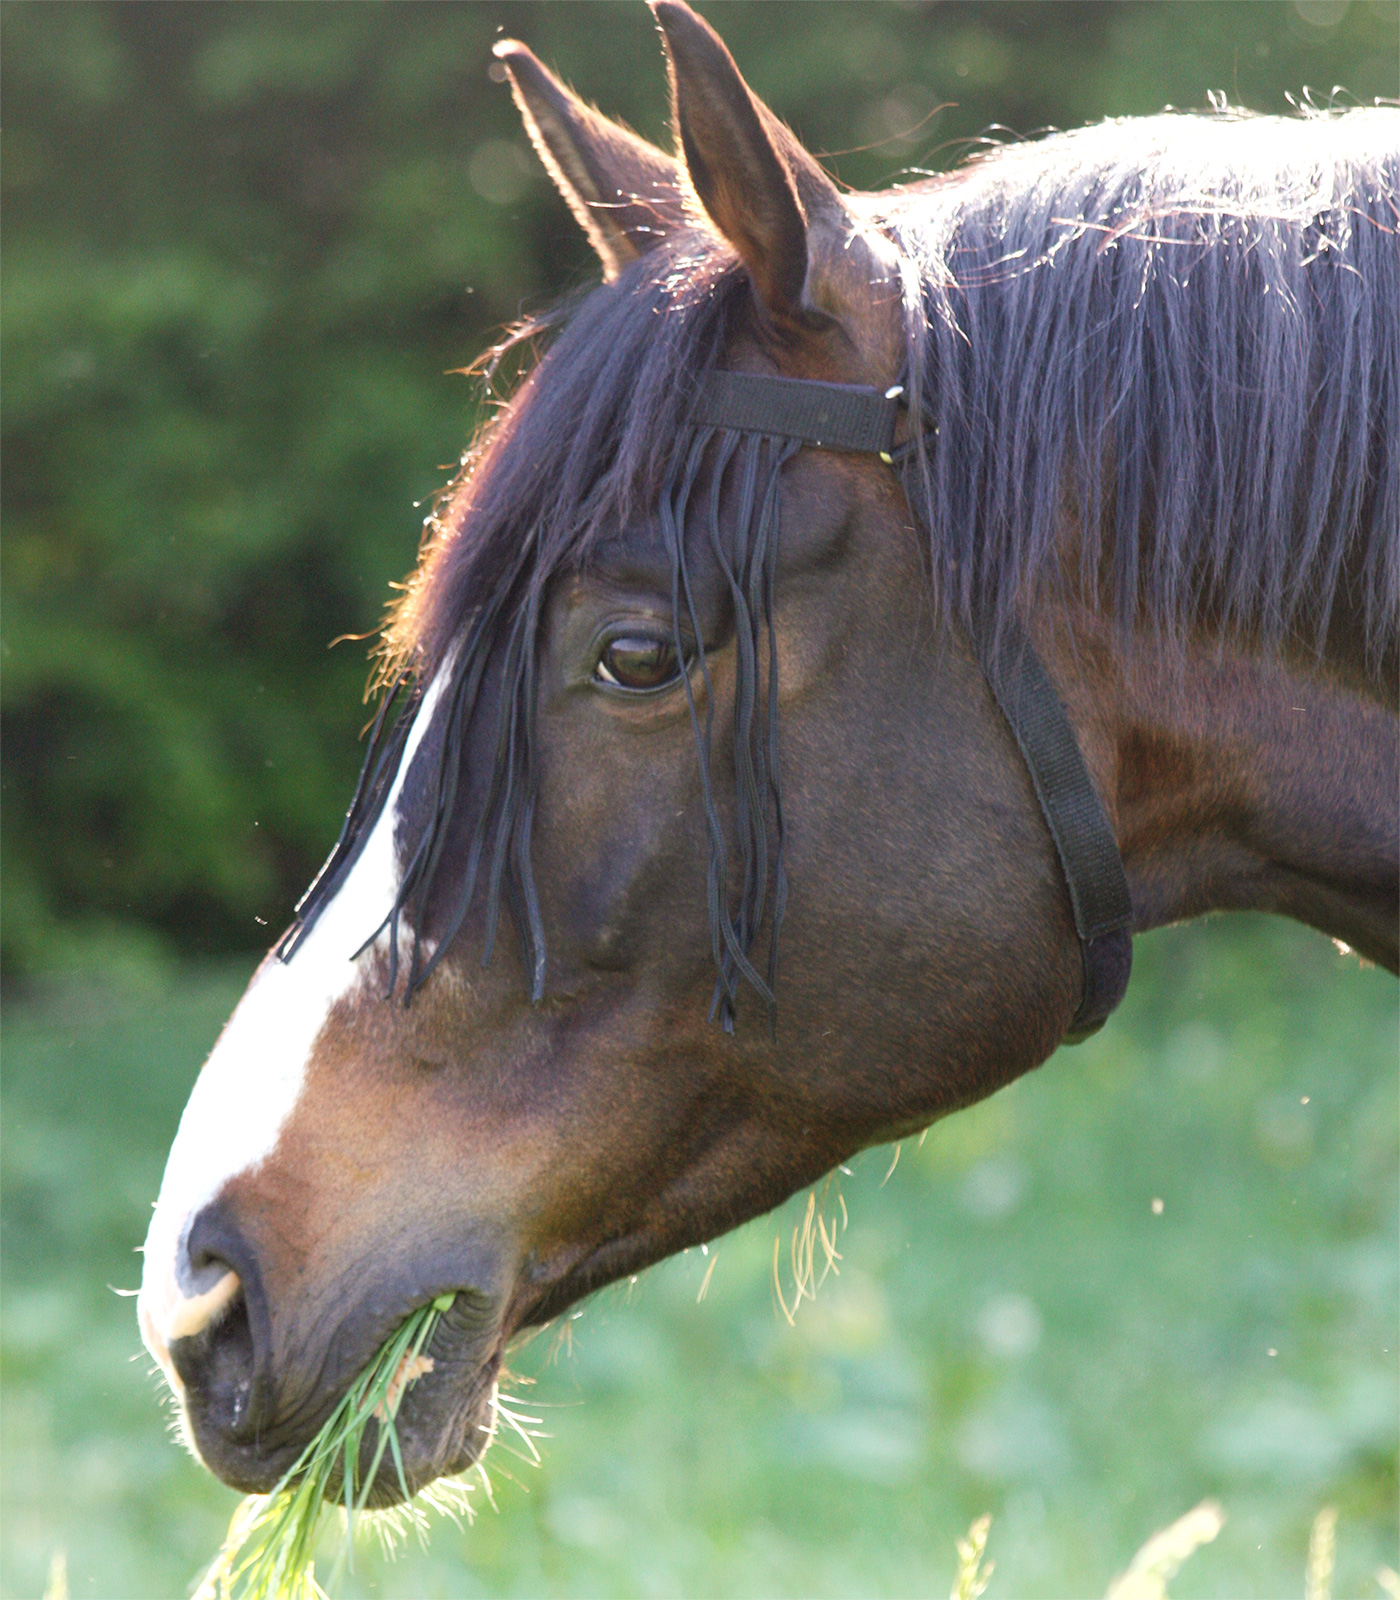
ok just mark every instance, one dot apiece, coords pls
pixel 842 416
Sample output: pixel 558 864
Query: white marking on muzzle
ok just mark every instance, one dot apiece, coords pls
pixel 254 1076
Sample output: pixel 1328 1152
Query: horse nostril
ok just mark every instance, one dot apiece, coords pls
pixel 211 1247
pixel 192 1314
pixel 219 1333
pixel 214 1269
pixel 198 1273
pixel 206 1278
pixel 217 1368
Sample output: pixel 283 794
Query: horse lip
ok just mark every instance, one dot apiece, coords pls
pixel 444 1426
pixel 246 1465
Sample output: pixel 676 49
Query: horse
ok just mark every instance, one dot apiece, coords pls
pixel 867 612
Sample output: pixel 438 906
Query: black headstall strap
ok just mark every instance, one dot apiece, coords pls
pixel 838 416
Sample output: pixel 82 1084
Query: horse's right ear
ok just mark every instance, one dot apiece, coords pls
pixel 625 192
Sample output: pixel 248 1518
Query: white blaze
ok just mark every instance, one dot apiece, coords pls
pixel 254 1076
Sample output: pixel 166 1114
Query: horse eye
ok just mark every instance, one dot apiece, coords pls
pixel 640 663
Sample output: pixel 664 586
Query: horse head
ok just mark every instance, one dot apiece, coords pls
pixel 680 700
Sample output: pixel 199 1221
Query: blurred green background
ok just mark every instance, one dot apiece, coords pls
pixel 242 246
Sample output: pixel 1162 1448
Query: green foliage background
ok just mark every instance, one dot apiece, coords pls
pixel 243 243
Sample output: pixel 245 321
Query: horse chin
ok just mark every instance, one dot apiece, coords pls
pixel 252 1467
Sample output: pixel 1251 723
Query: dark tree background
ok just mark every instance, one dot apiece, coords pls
pixel 242 246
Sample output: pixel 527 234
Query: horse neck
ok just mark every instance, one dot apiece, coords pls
pixel 1239 779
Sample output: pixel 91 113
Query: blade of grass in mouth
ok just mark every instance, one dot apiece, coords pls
pixel 269 1550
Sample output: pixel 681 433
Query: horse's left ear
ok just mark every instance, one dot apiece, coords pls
pixel 758 186
pixel 625 193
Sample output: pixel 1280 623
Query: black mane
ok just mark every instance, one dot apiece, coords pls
pixel 1189 326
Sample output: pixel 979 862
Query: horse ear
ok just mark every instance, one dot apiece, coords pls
pixel 757 184
pixel 625 192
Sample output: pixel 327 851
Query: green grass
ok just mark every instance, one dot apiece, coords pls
pixel 1014 1328
pixel 269 1552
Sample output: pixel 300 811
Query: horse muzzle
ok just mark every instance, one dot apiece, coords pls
pixel 255 1385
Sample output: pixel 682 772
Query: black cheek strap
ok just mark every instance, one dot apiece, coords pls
pixel 840 416
pixel 1078 823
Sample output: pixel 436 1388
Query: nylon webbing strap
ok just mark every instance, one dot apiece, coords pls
pixel 1098 889
pixel 836 416
pixel 839 416
pixel 1079 826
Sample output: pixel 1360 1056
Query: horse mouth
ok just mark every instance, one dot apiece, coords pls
pixel 445 1420
pixel 449 1415
pixel 241 1423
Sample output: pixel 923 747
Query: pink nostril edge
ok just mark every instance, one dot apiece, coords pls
pixel 178 1316
pixel 189 1316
